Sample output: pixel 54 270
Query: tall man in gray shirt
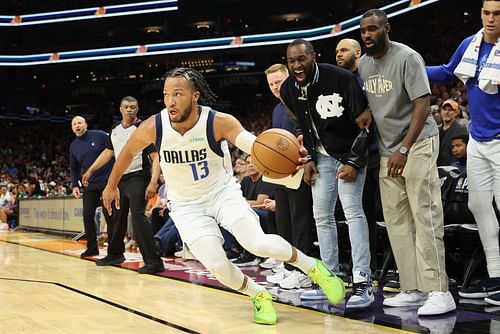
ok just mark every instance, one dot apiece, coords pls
pixel 398 92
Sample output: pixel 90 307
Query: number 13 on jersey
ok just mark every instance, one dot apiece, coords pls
pixel 200 170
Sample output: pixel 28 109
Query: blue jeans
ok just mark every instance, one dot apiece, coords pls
pixel 325 191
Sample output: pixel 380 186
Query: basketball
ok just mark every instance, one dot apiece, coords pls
pixel 275 153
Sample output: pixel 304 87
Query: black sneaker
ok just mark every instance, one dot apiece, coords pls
pixel 392 286
pixel 151 268
pixel 485 288
pixel 89 253
pixel 110 260
pixel 246 259
pixel 232 255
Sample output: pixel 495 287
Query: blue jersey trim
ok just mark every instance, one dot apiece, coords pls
pixel 214 145
pixel 159 132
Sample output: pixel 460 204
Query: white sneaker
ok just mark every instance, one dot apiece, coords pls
pixel 438 302
pixel 270 263
pixel 278 277
pixel 406 298
pixel 279 268
pixel 185 253
pixel 129 244
pixel 315 294
pixel 296 280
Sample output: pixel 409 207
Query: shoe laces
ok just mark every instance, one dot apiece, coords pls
pixel 263 299
pixel 359 289
pixel 296 275
pixel 434 294
pixel 433 298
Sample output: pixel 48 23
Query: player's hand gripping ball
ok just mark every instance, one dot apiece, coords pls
pixel 275 153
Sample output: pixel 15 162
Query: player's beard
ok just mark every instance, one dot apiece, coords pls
pixel 349 63
pixel 183 116
pixel 378 45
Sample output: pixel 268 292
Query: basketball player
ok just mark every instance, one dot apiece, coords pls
pixel 192 142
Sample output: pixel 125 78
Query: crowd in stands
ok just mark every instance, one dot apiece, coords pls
pixel 34 158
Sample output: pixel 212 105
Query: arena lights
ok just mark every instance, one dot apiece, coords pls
pixel 269 39
pixel 88 13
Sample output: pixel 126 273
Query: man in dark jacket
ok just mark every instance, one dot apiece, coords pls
pixel 326 100
pixel 83 151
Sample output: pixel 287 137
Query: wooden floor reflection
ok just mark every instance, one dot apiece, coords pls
pixel 45 291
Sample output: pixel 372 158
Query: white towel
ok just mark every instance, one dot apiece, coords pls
pixel 489 78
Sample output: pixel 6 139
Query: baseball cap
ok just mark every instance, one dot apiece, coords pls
pixel 452 103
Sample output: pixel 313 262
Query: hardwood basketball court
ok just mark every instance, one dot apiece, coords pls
pixel 43 290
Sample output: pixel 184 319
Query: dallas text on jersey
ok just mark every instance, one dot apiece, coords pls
pixel 181 157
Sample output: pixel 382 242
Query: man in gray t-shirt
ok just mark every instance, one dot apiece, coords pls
pixel 391 94
pixel 397 89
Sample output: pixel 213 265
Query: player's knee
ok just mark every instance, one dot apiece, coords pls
pixel 256 246
pixel 219 268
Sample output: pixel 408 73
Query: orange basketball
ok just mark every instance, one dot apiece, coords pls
pixel 275 153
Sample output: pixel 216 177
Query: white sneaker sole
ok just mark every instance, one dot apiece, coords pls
pixel 358 306
pixel 477 295
pixel 492 302
pixel 274 280
pixel 313 297
pixel 387 302
pixel 438 312
pixel 297 286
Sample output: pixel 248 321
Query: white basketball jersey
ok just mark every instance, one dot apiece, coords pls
pixel 193 164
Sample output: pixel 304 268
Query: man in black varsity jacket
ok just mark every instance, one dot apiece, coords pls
pixel 326 100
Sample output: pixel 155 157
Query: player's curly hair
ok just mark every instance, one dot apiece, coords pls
pixel 197 81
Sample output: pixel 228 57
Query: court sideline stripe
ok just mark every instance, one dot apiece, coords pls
pixel 384 324
pixel 284 302
pixel 128 309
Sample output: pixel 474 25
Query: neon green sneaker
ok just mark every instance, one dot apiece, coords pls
pixel 263 309
pixel 332 286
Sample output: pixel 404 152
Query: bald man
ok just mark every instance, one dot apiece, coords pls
pixel 348 53
pixel 83 151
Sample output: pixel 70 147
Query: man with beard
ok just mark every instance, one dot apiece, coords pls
pixel 195 160
pixel 398 93
pixel 83 151
pixel 449 129
pixel 476 62
pixel 348 54
pixel 138 184
pixel 326 100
